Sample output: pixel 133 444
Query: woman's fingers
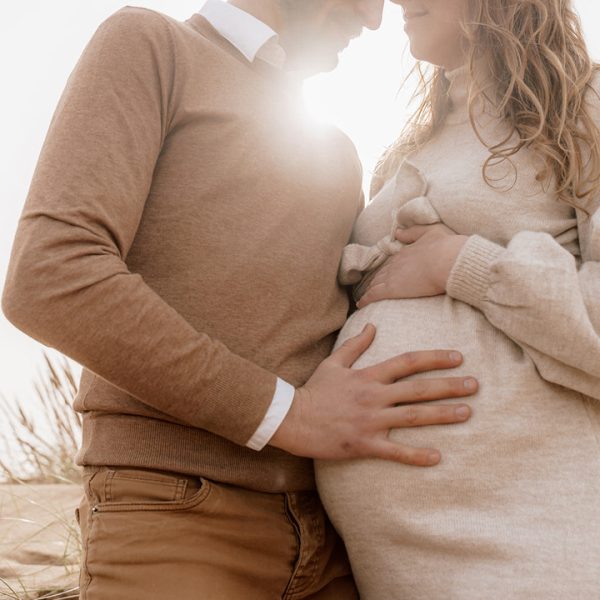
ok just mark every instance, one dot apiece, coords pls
pixel 382 273
pixel 376 292
pixel 411 234
pixel 379 287
pixel 409 363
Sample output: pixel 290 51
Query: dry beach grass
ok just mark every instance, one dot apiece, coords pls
pixel 39 491
pixel 39 541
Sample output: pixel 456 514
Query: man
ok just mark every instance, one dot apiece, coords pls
pixel 181 240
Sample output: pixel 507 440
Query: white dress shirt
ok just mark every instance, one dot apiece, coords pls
pixel 255 40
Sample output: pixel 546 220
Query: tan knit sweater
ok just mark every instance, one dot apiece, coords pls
pixel 512 510
pixel 181 240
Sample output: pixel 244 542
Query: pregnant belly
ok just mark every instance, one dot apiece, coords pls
pixel 429 323
pixel 518 418
pixel 510 473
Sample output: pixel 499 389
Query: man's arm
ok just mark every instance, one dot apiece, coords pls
pixel 68 284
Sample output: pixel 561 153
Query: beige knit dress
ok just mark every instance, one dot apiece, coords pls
pixel 513 510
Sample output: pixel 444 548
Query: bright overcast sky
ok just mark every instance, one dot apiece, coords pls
pixel 40 42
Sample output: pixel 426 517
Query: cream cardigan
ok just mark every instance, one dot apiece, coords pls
pixel 512 510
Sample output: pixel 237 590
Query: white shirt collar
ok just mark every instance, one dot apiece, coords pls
pixel 253 38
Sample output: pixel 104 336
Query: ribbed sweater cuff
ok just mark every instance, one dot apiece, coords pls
pixel 469 279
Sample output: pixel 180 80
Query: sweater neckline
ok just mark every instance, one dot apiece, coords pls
pixel 458 94
pixel 460 83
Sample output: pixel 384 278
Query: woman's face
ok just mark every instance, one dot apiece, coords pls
pixel 434 30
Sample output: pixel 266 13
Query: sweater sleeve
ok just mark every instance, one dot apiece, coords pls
pixel 536 293
pixel 68 284
pixel 539 295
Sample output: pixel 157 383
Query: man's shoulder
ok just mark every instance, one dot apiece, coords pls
pixel 132 22
pixel 136 28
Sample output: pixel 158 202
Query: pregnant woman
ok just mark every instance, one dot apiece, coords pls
pixel 484 236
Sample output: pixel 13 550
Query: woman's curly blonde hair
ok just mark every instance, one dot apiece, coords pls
pixel 535 54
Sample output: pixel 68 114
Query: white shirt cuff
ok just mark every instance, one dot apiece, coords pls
pixel 280 405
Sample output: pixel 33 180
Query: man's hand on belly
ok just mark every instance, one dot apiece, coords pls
pixel 343 413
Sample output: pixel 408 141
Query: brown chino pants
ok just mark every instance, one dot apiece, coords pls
pixel 152 535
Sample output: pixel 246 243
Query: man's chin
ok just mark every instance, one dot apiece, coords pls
pixel 328 63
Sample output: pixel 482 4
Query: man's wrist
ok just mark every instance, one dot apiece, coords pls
pixel 278 410
pixel 285 438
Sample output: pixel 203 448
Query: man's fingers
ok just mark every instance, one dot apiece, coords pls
pixel 350 351
pixel 425 390
pixel 414 415
pixel 419 457
pixel 410 363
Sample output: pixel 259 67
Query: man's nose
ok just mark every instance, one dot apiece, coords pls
pixel 371 12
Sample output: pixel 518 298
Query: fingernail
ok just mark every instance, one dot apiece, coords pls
pixel 455 356
pixel 470 383
pixel 462 412
pixel 433 458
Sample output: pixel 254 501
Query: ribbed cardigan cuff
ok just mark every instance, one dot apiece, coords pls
pixel 469 279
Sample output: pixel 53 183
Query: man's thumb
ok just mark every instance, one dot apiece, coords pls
pixel 351 350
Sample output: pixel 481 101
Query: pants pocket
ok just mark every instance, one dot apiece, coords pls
pixel 123 489
pixel 128 518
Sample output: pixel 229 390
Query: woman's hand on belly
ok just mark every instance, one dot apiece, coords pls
pixel 419 269
pixel 343 413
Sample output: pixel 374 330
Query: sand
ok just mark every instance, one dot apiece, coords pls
pixel 39 540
